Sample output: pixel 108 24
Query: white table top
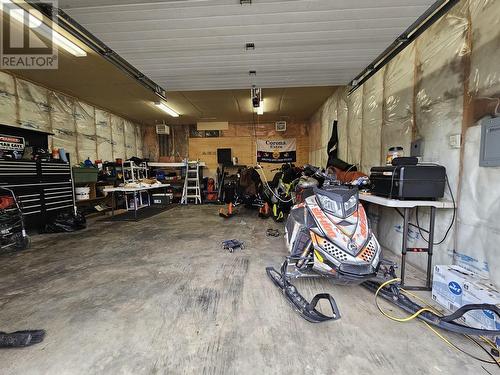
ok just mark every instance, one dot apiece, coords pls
pixel 172 165
pixel 402 203
pixel 132 189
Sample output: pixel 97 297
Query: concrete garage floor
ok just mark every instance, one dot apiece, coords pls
pixel 161 297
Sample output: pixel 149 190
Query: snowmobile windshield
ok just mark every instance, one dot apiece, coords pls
pixel 340 201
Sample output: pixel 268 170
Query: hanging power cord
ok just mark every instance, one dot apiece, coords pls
pixel 452 218
pixel 434 311
pixel 420 229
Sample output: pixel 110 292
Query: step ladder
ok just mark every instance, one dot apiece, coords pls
pixel 191 189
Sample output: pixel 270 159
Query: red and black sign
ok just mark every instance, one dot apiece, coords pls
pixel 11 143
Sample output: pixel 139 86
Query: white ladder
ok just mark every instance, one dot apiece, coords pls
pixel 192 183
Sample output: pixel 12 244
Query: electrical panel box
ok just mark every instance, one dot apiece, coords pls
pixel 490 143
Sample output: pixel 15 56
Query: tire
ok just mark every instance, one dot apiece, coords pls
pixel 22 242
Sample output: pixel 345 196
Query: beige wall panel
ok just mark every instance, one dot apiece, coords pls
pixel 8 101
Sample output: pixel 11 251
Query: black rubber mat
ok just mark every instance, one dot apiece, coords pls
pixel 143 213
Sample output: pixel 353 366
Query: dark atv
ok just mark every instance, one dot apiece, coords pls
pixel 245 189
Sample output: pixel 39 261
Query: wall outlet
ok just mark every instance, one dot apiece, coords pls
pixel 417 148
pixel 455 141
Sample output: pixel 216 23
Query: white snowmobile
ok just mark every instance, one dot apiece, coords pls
pixel 328 235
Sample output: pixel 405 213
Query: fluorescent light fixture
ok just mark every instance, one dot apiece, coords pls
pixel 67 45
pixel 36 22
pixel 167 109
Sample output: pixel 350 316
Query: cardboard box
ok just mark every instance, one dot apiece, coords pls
pixel 448 286
pixel 454 287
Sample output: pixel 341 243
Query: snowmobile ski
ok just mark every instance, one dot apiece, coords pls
pixel 21 339
pixel 306 309
pixel 448 322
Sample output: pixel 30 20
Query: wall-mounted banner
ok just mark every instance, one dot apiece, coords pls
pixel 277 150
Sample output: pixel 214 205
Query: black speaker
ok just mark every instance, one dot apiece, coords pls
pixel 224 156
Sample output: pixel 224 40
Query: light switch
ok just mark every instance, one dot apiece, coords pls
pixel 455 141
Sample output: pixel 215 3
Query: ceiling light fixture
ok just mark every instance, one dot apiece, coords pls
pixel 256 96
pixel 257 100
pixel 167 109
pixel 35 21
pixel 260 108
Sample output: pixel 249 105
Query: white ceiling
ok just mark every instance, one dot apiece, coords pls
pixel 199 44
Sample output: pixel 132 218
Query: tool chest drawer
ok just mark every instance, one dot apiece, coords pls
pixel 58 196
pixel 13 171
pixel 42 188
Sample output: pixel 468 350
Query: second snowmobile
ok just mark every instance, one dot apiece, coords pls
pixel 278 192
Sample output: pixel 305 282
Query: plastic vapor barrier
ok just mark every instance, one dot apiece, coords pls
pixel 63 123
pixel 371 153
pixel 86 131
pixel 478 227
pixel 79 128
pixel 8 107
pixel 139 141
pixel 355 121
pixel 130 147
pixel 33 107
pixel 103 135
pixel 342 117
pixel 485 74
pixel 439 111
pixel 118 136
pixel 398 110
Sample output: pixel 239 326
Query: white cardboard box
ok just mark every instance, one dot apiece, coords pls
pixel 454 287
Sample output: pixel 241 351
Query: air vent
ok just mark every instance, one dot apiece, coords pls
pixel 280 126
pixel 162 129
pixel 250 46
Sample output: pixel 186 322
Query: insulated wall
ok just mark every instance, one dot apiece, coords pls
pixel 441 85
pixel 478 227
pixel 79 128
pixel 371 151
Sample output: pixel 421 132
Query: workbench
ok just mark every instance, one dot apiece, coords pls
pixel 407 206
pixel 136 193
pixel 179 164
